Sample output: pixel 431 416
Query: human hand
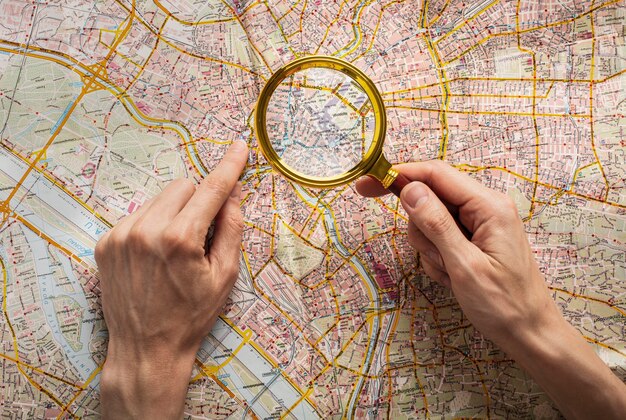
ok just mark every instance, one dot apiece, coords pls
pixel 494 275
pixel 497 283
pixel 162 290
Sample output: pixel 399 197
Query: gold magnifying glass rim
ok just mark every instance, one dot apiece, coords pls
pixel 334 63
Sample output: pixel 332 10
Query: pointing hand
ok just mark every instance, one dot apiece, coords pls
pixel 162 290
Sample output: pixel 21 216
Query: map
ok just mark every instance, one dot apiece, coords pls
pixel 320 122
pixel 102 103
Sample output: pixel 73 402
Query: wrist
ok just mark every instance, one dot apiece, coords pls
pixel 136 383
pixel 560 360
pixel 537 337
pixel 540 342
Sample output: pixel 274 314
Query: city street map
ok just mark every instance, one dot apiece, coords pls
pixel 102 103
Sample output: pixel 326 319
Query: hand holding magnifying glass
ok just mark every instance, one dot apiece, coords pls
pixel 321 122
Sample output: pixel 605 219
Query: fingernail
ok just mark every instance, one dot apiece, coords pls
pixel 415 194
pixel 238 146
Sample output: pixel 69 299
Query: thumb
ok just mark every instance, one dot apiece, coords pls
pixel 432 218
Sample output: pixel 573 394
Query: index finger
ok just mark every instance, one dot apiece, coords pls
pixel 214 190
pixel 449 184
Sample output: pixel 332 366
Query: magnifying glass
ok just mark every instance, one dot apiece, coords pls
pixel 321 122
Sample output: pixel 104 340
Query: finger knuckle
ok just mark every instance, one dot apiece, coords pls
pixel 216 186
pixel 177 241
pixel 185 184
pixel 138 238
pixel 174 238
pixel 511 206
pixel 438 223
pixel 475 265
pixel 416 239
pixel 507 209
pixel 236 223
pixel 231 271
pixel 469 267
pixel 226 272
pixel 116 240
pixel 437 163
pixel 100 250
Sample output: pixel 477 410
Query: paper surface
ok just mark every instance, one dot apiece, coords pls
pixel 103 103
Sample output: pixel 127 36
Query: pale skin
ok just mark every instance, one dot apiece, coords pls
pixel 162 288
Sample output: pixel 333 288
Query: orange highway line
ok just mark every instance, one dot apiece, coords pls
pixel 306 3
pixel 83 387
pixel 243 27
pixel 578 295
pixel 517 114
pixel 346 259
pixel 280 28
pixel 119 94
pixel 14 337
pixel 143 67
pixel 293 6
pixel 56 132
pixel 50 177
pixel 591 123
pixel 498 79
pixel 531 208
pixel 480 376
pixel 439 14
pixel 578 171
pixel 287 378
pixel 226 63
pixel 356 26
pixel 343 3
pixel 606 346
pixel 473 168
pixel 522 31
pixel 33 48
pixel 619 73
pixel 466 21
pixel 36 369
pixel 443 84
pixel 188 23
pixel 474 95
pixel 69 111
pixel 333 91
pixel 387 343
pixel 375 33
pixel 215 379
pixel 417 364
pixel 291 321
pixel 99 73
pixel 49 239
pixel 126 102
pixel 294 405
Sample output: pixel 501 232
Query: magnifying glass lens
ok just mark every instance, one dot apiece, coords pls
pixel 320 122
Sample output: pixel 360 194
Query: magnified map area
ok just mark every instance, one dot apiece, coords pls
pixel 320 122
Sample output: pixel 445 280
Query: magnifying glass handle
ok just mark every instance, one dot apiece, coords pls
pixel 398 184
